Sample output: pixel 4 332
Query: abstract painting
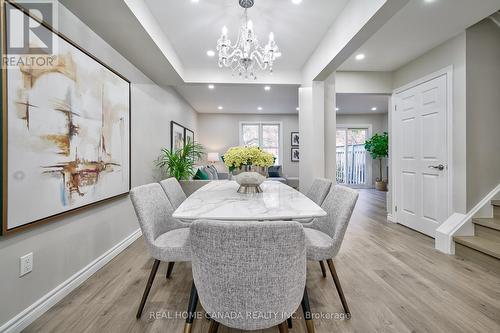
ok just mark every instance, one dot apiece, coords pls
pixel 188 136
pixel 177 136
pixel 68 135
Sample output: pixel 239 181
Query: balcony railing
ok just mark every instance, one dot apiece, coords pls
pixel 351 170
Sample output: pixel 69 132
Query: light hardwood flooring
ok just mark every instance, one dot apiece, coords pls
pixel 392 277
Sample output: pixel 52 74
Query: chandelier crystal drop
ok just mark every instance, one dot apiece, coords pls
pixel 246 55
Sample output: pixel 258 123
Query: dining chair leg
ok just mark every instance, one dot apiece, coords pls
pixel 148 287
pixel 289 322
pixel 283 328
pixel 193 302
pixel 323 270
pixel 214 326
pixel 169 269
pixel 306 308
pixel 338 286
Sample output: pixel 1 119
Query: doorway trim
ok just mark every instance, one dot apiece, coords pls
pixel 394 165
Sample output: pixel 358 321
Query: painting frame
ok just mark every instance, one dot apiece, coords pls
pixel 5 230
pixel 191 135
pixel 179 129
pixel 293 157
pixel 294 139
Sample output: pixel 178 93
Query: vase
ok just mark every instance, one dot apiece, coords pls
pixel 249 177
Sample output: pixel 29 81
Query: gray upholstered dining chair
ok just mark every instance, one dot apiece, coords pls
pixel 174 191
pixel 319 190
pixel 248 267
pixel 167 239
pixel 324 235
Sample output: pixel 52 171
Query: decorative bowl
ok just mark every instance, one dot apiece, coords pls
pixel 249 177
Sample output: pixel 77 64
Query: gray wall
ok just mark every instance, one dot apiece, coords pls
pixel 379 124
pixel 218 132
pixel 450 53
pixel 483 110
pixel 61 248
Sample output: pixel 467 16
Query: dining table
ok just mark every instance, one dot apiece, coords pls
pixel 219 200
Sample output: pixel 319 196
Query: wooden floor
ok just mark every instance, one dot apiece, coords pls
pixel 393 279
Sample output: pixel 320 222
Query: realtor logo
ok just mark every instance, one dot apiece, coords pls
pixel 28 41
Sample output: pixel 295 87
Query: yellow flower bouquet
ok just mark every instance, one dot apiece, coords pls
pixel 249 167
pixel 236 157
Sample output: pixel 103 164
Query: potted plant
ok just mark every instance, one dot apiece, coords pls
pixel 180 163
pixel 378 147
pixel 249 166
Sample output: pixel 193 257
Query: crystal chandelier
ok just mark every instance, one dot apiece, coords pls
pixel 246 54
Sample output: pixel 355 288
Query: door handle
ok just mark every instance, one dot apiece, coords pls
pixel 440 167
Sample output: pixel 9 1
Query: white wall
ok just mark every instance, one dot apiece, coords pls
pixel 218 132
pixel 63 247
pixel 483 110
pixel 449 53
pixel 379 124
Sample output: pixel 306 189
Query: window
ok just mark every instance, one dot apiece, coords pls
pixel 264 135
pixel 352 165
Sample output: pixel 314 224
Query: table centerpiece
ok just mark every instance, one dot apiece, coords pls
pixel 249 166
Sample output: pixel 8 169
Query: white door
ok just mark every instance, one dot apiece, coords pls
pixel 420 153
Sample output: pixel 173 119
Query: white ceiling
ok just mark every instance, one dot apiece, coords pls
pixel 362 103
pixel 194 27
pixel 242 98
pixel 416 29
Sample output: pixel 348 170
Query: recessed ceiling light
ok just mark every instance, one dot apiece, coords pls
pixel 296 2
pixel 259 108
pixel 374 109
pixel 211 86
pixel 267 88
pixel 429 1
pixel 337 109
pixel 195 0
pixel 297 108
pixel 220 107
pixel 360 56
pixel 210 53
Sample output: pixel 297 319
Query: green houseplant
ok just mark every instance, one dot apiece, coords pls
pixel 180 163
pixel 378 147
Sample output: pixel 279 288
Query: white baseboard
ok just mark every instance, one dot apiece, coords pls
pixel 391 218
pixel 35 310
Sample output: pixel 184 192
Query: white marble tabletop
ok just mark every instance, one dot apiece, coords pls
pixel 218 200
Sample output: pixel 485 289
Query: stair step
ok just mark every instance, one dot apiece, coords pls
pixel 480 244
pixel 492 223
pixel 495 203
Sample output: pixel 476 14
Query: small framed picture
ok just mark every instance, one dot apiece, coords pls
pixel 188 136
pixel 295 154
pixel 294 139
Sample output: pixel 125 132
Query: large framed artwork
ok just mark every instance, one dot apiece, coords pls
pixel 176 136
pixel 66 135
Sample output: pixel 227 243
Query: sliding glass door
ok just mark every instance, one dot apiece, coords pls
pixel 352 168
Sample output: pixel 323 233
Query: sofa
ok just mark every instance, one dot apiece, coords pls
pixel 275 173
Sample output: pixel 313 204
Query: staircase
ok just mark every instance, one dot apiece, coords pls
pixel 484 247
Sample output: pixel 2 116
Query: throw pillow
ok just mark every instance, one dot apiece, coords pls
pixel 214 172
pixel 274 171
pixel 208 172
pixel 201 175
